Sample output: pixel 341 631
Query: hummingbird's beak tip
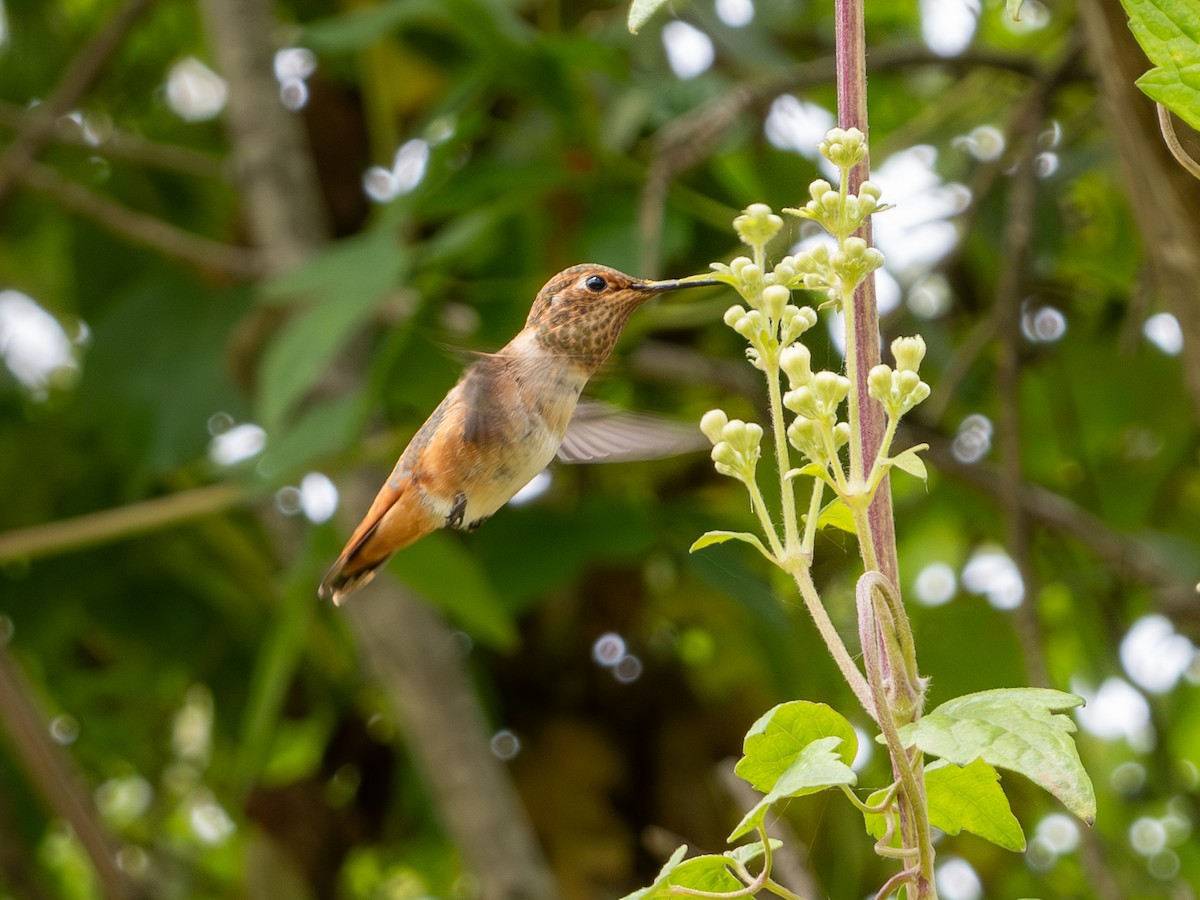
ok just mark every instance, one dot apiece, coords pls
pixel 658 287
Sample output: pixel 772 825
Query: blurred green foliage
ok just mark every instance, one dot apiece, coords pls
pixel 213 707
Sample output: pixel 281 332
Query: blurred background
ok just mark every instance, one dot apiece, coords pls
pixel 243 248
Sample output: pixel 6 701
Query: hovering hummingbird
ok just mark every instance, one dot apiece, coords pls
pixel 505 420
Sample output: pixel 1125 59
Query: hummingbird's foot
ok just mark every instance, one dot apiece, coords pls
pixel 477 523
pixel 455 517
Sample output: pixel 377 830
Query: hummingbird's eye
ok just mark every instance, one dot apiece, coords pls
pixel 595 283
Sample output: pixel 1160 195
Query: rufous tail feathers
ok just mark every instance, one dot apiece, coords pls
pixel 396 519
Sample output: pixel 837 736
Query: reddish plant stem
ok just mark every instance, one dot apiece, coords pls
pixel 878 543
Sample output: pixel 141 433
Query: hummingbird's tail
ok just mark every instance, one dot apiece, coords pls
pixel 396 519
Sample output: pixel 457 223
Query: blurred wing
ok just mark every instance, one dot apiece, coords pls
pixel 601 433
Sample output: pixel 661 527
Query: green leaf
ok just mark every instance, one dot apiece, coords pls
pixel 780 734
pixel 748 853
pixel 970 798
pixel 836 514
pixel 1169 33
pixel 343 286
pixel 719 537
pixel 815 768
pixel 321 430
pixel 908 461
pixel 1012 728
pixel 814 470
pixel 876 823
pixel 668 867
pixel 641 11
pixel 441 570
pixel 358 28
pixel 701 873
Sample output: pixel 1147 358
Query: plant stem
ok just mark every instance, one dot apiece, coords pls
pixel 787 489
pixel 837 647
pixel 891 669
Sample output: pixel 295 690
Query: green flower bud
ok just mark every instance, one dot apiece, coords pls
pixel 831 388
pixel 819 188
pixel 796 321
pixel 906 382
pixel 775 298
pixel 844 148
pixel 725 459
pixel 870 189
pixel 784 273
pixel 733 315
pixel 917 394
pixel 841 434
pixel 908 352
pixel 733 432
pixel 751 278
pixel 802 401
pixel 796 362
pixel 805 436
pixel 757 225
pixel 738 264
pixel 713 423
pixel 879 382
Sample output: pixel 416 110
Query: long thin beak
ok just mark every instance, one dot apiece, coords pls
pixel 659 287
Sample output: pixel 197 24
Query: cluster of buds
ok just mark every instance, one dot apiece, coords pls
pixel 736 444
pixel 769 320
pixel 837 214
pixel 900 389
pixel 815 399
pixel 844 147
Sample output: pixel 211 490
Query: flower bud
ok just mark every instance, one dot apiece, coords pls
pixel 831 388
pixel 870 189
pixel 844 148
pixel 796 362
pixel 917 394
pixel 713 424
pixel 775 298
pixel 734 433
pixel 841 434
pixel 796 321
pixel 757 224
pixel 879 382
pixel 907 381
pixel 803 434
pixel 819 188
pixel 733 315
pixel 909 351
pixel 738 264
pixel 802 400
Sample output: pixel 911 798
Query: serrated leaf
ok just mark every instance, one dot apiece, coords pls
pixel 780 734
pixel 969 798
pixel 909 461
pixel 815 768
pixel 1169 33
pixel 641 11
pixel 837 514
pixel 719 537
pixel 1012 728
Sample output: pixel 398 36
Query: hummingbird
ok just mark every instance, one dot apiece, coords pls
pixel 507 417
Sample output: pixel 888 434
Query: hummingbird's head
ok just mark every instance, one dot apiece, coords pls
pixel 581 310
